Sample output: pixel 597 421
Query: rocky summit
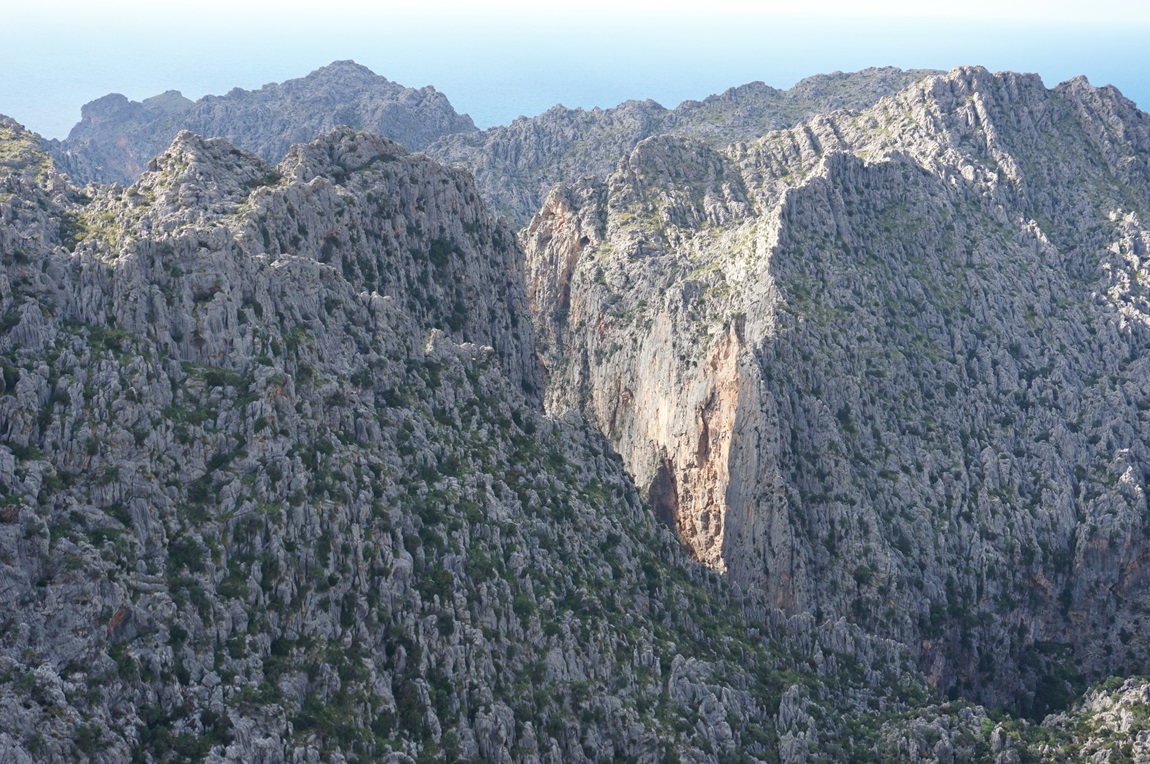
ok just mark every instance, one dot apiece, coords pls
pixel 116 138
pixel 888 365
pixel 797 426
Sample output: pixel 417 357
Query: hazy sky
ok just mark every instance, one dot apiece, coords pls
pixel 502 59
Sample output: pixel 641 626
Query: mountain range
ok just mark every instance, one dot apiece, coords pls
pixel 514 166
pixel 801 425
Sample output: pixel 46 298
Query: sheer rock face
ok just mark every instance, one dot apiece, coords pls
pixel 276 485
pixel 116 138
pixel 889 365
pixel 515 166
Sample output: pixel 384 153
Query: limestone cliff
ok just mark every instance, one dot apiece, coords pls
pixel 889 365
pixel 116 138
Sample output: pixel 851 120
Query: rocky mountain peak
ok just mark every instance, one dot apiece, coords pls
pixel 842 89
pixel 115 108
pixel 196 172
pixel 344 68
pixel 116 138
pixel 339 152
pixel 21 147
pixel 195 182
pixel 740 93
pixel 168 103
pixel 110 107
pixel 26 166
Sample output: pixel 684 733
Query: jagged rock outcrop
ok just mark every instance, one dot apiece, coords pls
pixel 516 165
pixel 276 484
pixel 1110 723
pixel 889 365
pixel 116 138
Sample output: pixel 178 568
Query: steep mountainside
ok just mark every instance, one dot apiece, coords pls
pixel 276 484
pixel 888 365
pixel 116 138
pixel 515 166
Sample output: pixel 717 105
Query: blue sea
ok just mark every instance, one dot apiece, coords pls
pixel 496 70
